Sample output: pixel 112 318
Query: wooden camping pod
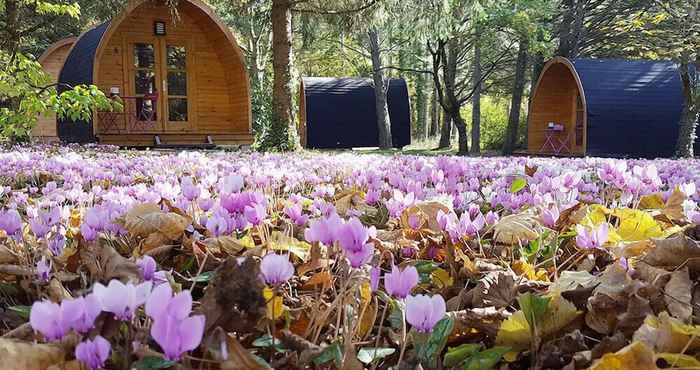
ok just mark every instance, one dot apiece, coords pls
pixel 182 80
pixel 607 107
pixel 52 61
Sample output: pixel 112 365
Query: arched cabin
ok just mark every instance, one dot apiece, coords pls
pixel 182 78
pixel 341 113
pixel 52 61
pixel 606 107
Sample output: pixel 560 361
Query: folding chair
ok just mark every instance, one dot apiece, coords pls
pixel 564 144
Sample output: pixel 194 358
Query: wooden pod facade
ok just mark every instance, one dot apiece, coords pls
pixel 607 107
pixel 340 113
pixel 52 61
pixel 182 81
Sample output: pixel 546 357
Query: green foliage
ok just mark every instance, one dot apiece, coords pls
pixel 428 347
pixel 26 93
pixel 494 120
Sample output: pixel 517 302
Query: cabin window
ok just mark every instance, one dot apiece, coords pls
pixel 177 83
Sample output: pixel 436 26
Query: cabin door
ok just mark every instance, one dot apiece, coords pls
pixel 160 83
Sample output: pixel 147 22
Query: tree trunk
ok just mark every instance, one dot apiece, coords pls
pixel 422 95
pixel 282 110
pixel 517 98
pixel 689 116
pixel 476 101
pixel 434 114
pixel 565 31
pixel 11 35
pixel 452 103
pixel 537 67
pixel 578 29
pixel 380 88
pixel 445 130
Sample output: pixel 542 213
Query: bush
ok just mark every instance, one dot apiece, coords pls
pixel 494 120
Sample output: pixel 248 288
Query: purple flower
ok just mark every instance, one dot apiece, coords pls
pixel 550 217
pixel 43 270
pixel 592 238
pixel 52 320
pixel 189 189
pixel 399 283
pixel 255 214
pixel 11 222
pixel 491 218
pixel 294 212
pixel 122 299
pixel 148 266
pixel 423 312
pixel 172 328
pixel 88 308
pixel 38 227
pixel 353 237
pixel 57 244
pixel 374 274
pixel 414 221
pixel 276 269
pixel 324 230
pixel 93 353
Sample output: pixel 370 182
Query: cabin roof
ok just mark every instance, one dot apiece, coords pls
pixel 341 113
pixel 633 106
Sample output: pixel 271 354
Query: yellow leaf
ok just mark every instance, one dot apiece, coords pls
pixel 441 278
pixel 596 214
pixel 515 332
pixel 75 218
pixel 679 360
pixel 523 268
pixel 636 356
pixel 365 292
pixel 636 225
pixel 651 201
pixel 280 242
pixel 467 263
pixel 275 308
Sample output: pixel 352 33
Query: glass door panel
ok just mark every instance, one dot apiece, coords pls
pixel 177 100
pixel 145 82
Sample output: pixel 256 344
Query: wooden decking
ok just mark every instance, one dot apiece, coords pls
pixel 175 140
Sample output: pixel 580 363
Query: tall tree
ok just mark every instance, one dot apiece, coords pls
pixel 517 98
pixel 279 136
pixel 380 90
pixel 476 100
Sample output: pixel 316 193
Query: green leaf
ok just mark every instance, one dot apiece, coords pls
pixel 203 277
pixel 534 308
pixel 430 348
pixel 455 355
pixel 396 314
pixel 486 359
pixel 267 341
pixel 330 353
pixel 22 311
pixel 153 363
pixel 518 184
pixel 370 354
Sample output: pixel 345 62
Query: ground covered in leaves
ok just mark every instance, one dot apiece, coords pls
pixel 122 260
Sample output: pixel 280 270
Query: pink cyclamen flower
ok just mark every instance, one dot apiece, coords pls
pixel 592 238
pixel 276 269
pixel 52 320
pixel 93 353
pixel 399 283
pixel 88 309
pixel 148 266
pixel 353 237
pixel 550 216
pixel 43 270
pixel 122 299
pixel 424 312
pixel 491 218
pixel 255 214
pixel 173 329
pixel 294 212
pixel 324 230
pixel 11 222
pixel 189 190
